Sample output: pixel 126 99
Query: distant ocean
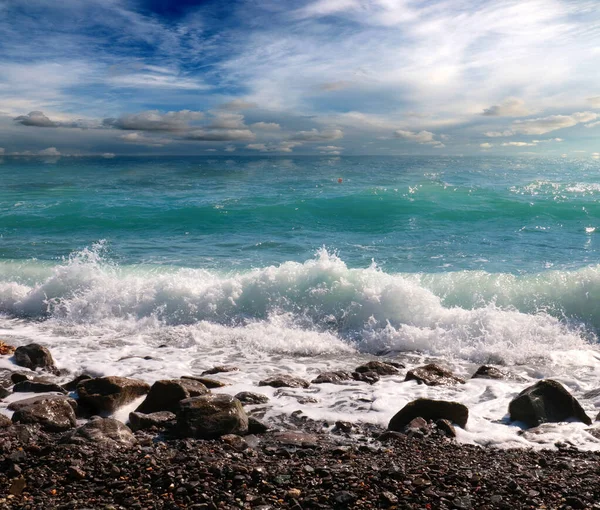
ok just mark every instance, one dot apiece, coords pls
pixel 274 265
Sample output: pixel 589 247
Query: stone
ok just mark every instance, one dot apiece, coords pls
pixel 284 381
pixel 236 442
pixel 335 377
pixel 18 377
pixel 368 377
pixel 379 367
pixel 165 395
pixel 54 415
pixel 487 372
pixel 6 349
pixel 207 381
pixel 4 392
pixel 34 356
pixel 220 369
pixel 250 398
pixel 429 410
pixel 107 394
pixel 446 427
pixel 159 420
pixel 72 385
pixel 37 387
pixel 103 430
pixel 211 416
pixel 255 426
pixel 5 421
pixel 547 401
pixel 433 375
pixel 41 399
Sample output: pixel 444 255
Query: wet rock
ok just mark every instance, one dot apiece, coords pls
pixel 211 416
pixel 379 367
pixel 368 377
pixel 285 381
pixel 335 377
pixel 429 410
pixel 344 499
pixel 4 392
pixel 250 398
pixel 5 421
pixel 54 415
pixel 6 349
pixel 159 420
pixel 220 369
pixel 488 372
pixel 544 402
pixel 446 427
pixel 165 395
pixel 293 438
pixel 107 394
pixel 417 423
pixel 34 356
pixel 37 387
pixel 42 400
pixel 207 381
pixel 433 375
pixel 103 430
pixel 235 441
pixel 255 426
pixel 18 377
pixel 72 385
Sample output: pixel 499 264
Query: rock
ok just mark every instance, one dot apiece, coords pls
pixel 18 377
pixel 219 369
pixel 6 349
pixel 208 382
pixel 5 421
pixel 417 423
pixel 54 415
pixel 433 375
pixel 41 399
pixel 211 416
pixel 255 426
pixel 34 356
pixel 249 398
pixel 446 427
pixel 379 367
pixel 487 372
pixel 336 377
pixel 285 381
pixel 368 377
pixel 546 401
pixel 159 420
pixel 344 499
pixel 103 430
pixel 72 385
pixel 4 392
pixel 107 394
pixel 429 410
pixel 236 442
pixel 165 395
pixel 37 387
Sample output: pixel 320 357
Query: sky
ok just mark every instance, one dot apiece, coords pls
pixel 326 77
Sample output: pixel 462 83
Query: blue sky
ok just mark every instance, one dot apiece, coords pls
pixel 300 77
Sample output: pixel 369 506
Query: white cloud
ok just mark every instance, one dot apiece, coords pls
pixel 286 146
pixel 154 120
pixel 592 124
pixel 498 134
pixel 420 137
pixel 50 151
pixel 221 135
pixel 485 145
pixel 518 144
pixel 314 135
pixel 510 107
pixel 230 148
pixel 596 155
pixel 147 79
pixel 266 126
pixel 594 101
pixel 551 123
pixel 548 140
pixel 142 139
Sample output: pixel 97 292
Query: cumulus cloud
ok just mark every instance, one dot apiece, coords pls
pixel 221 135
pixel 510 107
pixel 50 151
pixel 36 119
pixel 142 139
pixel 154 120
pixel 237 104
pixel 592 124
pixel 314 135
pixel 411 136
pixel 594 101
pixel 230 148
pixel 518 144
pixel 266 126
pixel 286 146
pixel 226 120
pixel 497 134
pixel 485 145
pixel 552 123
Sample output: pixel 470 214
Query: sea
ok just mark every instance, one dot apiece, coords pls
pixel 158 267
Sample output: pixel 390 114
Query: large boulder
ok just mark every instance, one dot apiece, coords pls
pixel 433 375
pixel 38 387
pixel 53 414
pixel 165 395
pixel 429 410
pixel 41 399
pixel 106 431
pixel 284 381
pixel 211 416
pixel 335 377
pixel 34 356
pixel 107 394
pixel 546 401
pixel 380 368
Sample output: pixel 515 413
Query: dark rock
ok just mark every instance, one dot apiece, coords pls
pixel 42 400
pixel 336 377
pixel 344 426
pixel 220 369
pixel 4 392
pixel 487 372
pixel 72 385
pixel 368 377
pixel 37 387
pixel 255 426
pixel 5 421
pixel 18 377
pixel 433 375
pixel 165 395
pixel 344 498
pixel 417 423
pixel 446 427
pixel 207 381
pixel 285 381
pixel 575 502
pixel 103 430
pixel 389 499
pixel 107 394
pixel 379 367
pixel 54 415
pixel 429 410
pixel 235 441
pixel 249 398
pixel 34 356
pixel 159 420
pixel 546 401
pixel 211 416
